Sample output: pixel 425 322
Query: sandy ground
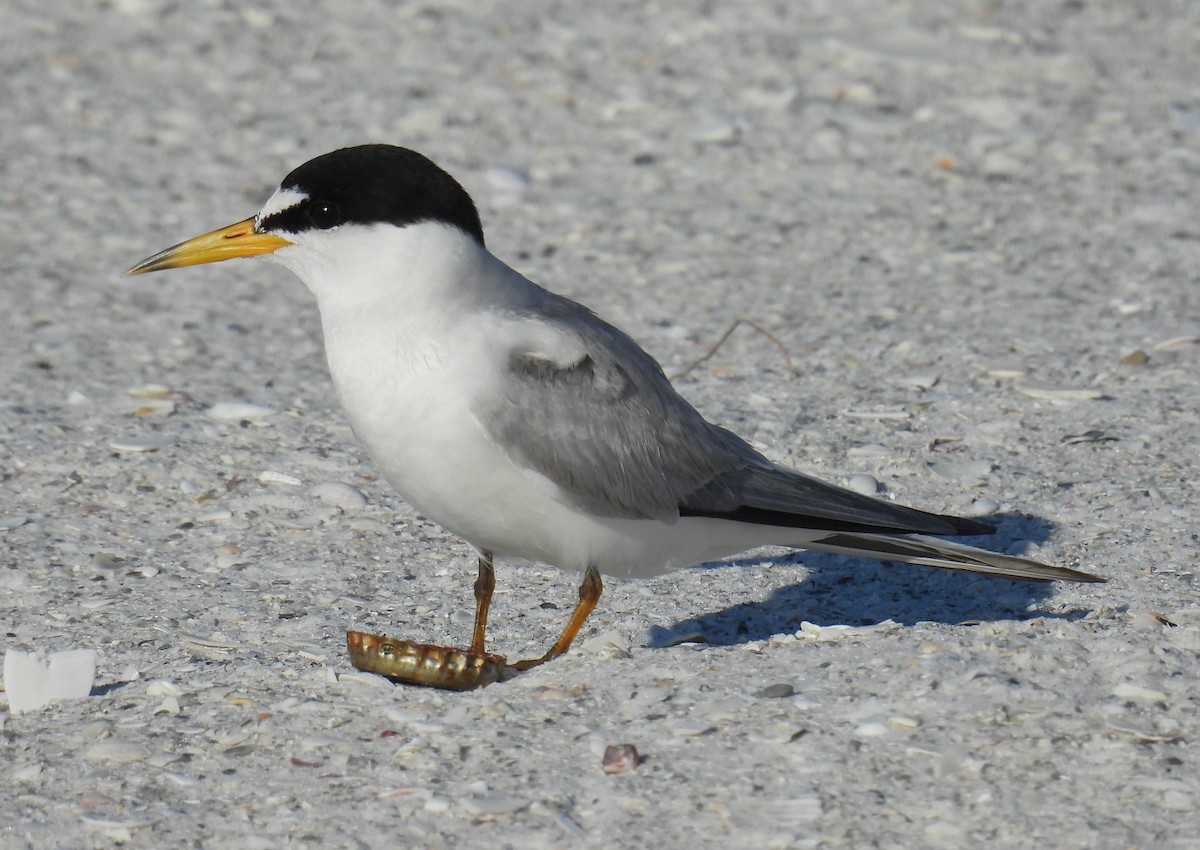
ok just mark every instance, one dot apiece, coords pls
pixel 973 228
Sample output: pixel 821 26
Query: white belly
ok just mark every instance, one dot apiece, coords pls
pixel 411 409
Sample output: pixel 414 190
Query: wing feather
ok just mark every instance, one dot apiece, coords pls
pixel 580 403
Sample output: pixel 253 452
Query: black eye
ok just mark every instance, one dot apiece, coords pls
pixel 324 215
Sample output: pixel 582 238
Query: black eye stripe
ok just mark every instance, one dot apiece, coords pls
pixel 306 215
pixel 324 214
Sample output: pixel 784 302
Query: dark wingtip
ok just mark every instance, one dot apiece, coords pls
pixel 967 527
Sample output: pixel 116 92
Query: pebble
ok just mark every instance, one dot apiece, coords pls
pixel 619 758
pixel 339 494
pixel 8 523
pixel 776 691
pixel 139 444
pixel 868 485
pixel 236 411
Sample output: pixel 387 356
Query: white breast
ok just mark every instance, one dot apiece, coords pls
pixel 411 336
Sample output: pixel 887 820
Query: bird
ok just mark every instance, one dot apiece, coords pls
pixel 522 422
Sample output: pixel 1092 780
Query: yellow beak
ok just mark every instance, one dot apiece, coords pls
pixel 236 240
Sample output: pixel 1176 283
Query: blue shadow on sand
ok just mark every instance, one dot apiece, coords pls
pixel 860 592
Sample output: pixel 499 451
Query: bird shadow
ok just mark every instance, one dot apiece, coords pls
pixel 861 592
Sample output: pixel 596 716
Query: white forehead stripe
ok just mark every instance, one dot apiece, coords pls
pixel 282 199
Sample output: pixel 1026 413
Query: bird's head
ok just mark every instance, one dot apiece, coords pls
pixel 329 200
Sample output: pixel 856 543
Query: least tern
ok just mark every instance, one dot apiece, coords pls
pixel 519 420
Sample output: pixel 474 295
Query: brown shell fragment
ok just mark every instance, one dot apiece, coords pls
pixel 620 758
pixel 428 664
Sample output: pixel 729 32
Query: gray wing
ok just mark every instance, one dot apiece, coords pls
pixel 606 426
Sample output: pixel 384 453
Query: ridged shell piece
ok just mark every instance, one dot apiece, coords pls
pixel 423 663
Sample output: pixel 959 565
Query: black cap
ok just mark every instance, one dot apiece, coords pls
pixel 372 184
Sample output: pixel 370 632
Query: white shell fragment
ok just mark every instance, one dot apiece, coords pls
pixel 868 450
pixel 236 411
pixel 921 380
pixel 508 179
pixel 217 514
pixel 215 641
pixel 1005 370
pixel 1060 394
pixel 610 644
pixel 982 507
pixel 139 444
pixel 490 805
pixel 1128 690
pixel 965 471
pixel 32 681
pixel 162 687
pixel 895 413
pixel 340 494
pixel 269 476
pixel 116 750
pixel 153 406
pixel 826 633
pixel 149 391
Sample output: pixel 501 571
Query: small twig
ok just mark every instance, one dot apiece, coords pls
pixel 728 333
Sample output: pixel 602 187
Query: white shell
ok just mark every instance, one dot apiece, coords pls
pixel 235 411
pixel 340 494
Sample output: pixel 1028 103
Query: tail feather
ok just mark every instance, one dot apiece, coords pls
pixel 931 552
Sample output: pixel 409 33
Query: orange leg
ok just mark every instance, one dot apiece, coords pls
pixel 589 595
pixel 485 584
